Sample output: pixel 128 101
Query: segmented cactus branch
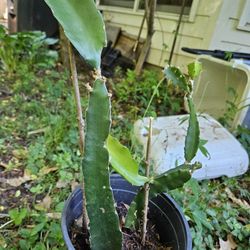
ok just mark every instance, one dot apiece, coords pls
pixel 104 224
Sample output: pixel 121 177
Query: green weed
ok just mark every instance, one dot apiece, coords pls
pixel 131 95
pixel 25 51
pixel 37 136
pixel 213 212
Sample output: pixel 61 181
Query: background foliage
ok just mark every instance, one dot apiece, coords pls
pixel 131 95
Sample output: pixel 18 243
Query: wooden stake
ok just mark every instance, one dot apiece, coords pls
pixel 149 13
pixel 80 123
pixel 146 186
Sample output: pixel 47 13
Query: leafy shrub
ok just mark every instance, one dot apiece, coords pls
pixel 25 50
pixel 214 212
pixel 243 135
pixel 36 119
pixel 131 95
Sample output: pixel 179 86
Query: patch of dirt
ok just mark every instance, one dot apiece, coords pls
pixel 131 238
pixel 9 198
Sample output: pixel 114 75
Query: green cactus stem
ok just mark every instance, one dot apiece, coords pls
pixel 104 224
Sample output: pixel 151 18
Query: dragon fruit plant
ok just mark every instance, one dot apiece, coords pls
pixel 84 27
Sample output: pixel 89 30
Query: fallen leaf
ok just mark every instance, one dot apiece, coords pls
pixel 16 182
pixel 122 221
pixel 78 221
pixel 237 201
pixel 126 206
pixel 229 244
pixel 74 184
pixel 54 215
pixel 20 153
pixel 4 165
pixel 41 130
pixel 45 204
pixel 62 184
pixel 2 208
pixel 47 170
pixel 18 193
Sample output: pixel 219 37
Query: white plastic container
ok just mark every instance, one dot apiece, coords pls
pixel 211 91
pixel 227 156
pixel 213 87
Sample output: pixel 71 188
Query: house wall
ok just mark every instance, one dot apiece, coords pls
pixel 227 34
pixel 3 6
pixel 194 33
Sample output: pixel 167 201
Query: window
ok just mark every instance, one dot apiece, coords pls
pixel 244 23
pixel 118 3
pixel 171 6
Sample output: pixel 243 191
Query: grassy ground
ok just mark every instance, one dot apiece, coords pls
pixel 40 161
pixel 39 158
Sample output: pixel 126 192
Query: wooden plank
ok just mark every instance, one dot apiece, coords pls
pixel 125 44
pixel 113 33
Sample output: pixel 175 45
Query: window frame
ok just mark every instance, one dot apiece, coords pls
pixel 244 22
pixel 161 14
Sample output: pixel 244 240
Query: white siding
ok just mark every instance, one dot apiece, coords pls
pixel 227 36
pixel 3 6
pixel 195 34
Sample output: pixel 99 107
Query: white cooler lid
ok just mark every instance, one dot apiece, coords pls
pixel 227 156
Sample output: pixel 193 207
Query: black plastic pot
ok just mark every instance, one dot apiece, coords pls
pixel 164 212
